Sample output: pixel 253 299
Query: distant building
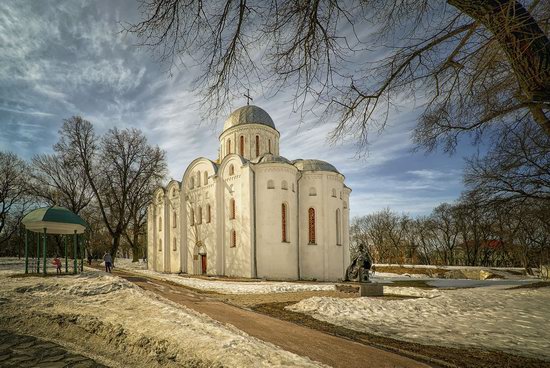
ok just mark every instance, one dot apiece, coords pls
pixel 252 213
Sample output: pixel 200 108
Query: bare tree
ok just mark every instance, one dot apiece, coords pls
pixel 14 199
pixel 117 165
pixel 60 181
pixel 474 62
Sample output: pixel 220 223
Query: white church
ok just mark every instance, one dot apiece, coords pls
pixel 252 213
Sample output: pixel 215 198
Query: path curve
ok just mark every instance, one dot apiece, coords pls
pixel 318 346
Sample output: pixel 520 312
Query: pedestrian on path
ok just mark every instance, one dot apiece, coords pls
pixel 57 263
pixel 108 261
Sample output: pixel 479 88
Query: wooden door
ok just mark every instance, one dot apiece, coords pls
pixel 203 262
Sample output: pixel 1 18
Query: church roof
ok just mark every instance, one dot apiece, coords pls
pixel 268 158
pixel 314 165
pixel 249 114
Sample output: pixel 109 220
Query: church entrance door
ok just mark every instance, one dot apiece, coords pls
pixel 203 264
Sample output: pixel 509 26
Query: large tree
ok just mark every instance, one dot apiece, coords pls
pixel 116 165
pixel 14 199
pixel 471 62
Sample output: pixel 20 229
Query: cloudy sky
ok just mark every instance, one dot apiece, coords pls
pixel 65 58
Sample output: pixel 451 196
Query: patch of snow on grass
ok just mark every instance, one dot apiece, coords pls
pixel 514 321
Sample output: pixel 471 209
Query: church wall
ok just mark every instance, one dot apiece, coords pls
pixel 151 237
pixel 173 227
pixel 276 259
pixel 335 243
pixel 199 236
pixel 238 258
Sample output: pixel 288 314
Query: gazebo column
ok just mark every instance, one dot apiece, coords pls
pixel 82 253
pixel 44 250
pixel 26 251
pixel 66 255
pixel 37 252
pixel 74 254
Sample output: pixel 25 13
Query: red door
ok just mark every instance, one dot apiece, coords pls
pixel 203 261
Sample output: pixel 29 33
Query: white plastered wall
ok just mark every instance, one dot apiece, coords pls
pixel 249 132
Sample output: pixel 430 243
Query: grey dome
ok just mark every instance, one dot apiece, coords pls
pixel 268 158
pixel 249 114
pixel 314 165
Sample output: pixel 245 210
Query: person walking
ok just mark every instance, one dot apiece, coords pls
pixel 108 262
pixel 57 263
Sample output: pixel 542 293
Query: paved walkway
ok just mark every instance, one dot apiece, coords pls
pixel 28 351
pixel 318 346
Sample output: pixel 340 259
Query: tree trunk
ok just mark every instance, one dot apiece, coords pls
pixel 114 246
pixel 135 247
pixel 525 44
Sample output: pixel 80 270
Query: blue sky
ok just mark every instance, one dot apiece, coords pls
pixel 59 59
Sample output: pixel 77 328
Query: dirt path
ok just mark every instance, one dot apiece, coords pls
pixel 318 346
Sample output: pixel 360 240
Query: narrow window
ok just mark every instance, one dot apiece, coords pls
pixel 174 246
pixel 232 211
pixel 334 192
pixel 257 145
pixel 174 219
pixel 241 146
pixel 270 184
pixel 198 178
pixel 284 185
pixel 205 177
pixel 192 217
pixel 208 214
pixel 312 191
pixel 199 215
pixel 233 240
pixel 160 223
pixel 338 228
pixel 191 182
pixel 269 146
pixel 228 146
pixel 284 224
pixel 311 215
pixel 160 245
pixel 231 170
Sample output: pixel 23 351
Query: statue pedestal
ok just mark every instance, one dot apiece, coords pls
pixel 371 289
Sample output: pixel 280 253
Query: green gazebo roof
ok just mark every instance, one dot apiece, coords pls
pixel 55 219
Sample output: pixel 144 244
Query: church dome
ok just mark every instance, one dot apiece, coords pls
pixel 314 165
pixel 249 114
pixel 268 158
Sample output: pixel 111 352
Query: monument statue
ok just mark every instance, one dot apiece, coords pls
pixel 358 270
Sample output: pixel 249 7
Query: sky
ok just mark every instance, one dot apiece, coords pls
pixel 65 58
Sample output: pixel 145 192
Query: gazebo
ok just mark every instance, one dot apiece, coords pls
pixel 52 220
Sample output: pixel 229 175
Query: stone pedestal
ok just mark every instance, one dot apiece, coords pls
pixel 371 289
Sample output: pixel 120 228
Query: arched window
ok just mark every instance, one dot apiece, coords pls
pixel 205 177
pixel 174 245
pixel 228 146
pixel 199 215
pixel 311 223
pixel 270 184
pixel 233 239
pixel 231 170
pixel 241 145
pixel 284 185
pixel 208 214
pixel 191 182
pixel 191 217
pixel 338 228
pixel 257 145
pixel 198 178
pixel 174 219
pixel 160 223
pixel 160 245
pixel 312 191
pixel 232 210
pixel 284 223
pixel 269 146
pixel 334 192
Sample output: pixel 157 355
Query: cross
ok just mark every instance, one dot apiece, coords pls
pixel 248 98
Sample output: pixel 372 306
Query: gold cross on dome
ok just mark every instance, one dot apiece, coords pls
pixel 248 98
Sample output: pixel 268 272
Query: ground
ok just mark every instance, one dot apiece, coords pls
pixel 154 319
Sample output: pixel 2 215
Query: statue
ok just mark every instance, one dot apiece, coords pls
pixel 358 270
